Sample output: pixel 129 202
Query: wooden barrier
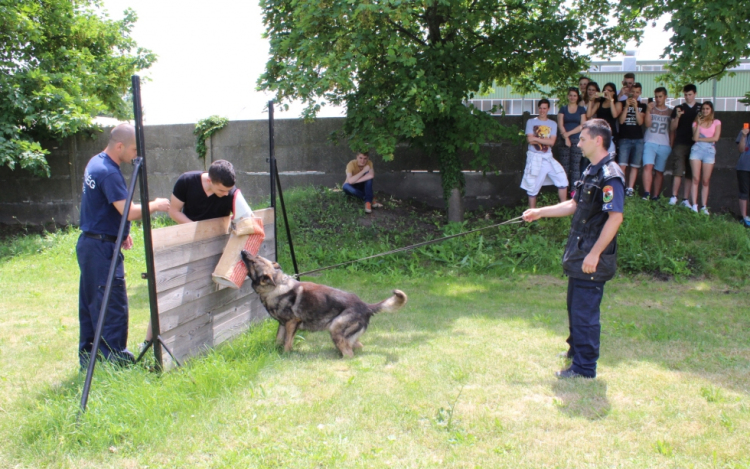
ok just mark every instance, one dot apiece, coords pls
pixel 195 313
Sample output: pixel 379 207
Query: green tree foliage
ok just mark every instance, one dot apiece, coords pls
pixel 61 62
pixel 403 69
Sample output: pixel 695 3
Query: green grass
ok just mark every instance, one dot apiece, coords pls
pixel 655 239
pixel 461 377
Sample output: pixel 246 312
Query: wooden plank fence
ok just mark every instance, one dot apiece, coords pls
pixel 196 314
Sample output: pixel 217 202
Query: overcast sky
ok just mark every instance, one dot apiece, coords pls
pixel 210 55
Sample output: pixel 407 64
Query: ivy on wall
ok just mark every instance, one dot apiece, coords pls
pixel 204 129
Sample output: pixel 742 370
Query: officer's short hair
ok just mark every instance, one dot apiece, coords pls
pixel 599 128
pixel 222 171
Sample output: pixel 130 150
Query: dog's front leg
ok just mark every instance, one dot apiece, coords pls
pixel 280 334
pixel 291 329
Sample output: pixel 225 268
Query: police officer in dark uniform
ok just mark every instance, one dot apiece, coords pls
pixel 590 257
pixel 102 206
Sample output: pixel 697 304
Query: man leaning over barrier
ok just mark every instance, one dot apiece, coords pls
pixel 199 196
pixel 590 257
pixel 102 206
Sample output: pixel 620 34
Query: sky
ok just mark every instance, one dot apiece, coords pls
pixel 210 55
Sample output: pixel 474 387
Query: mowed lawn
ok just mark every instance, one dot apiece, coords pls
pixel 461 377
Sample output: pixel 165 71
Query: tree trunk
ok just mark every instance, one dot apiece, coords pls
pixel 456 206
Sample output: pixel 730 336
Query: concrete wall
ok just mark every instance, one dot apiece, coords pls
pixel 304 157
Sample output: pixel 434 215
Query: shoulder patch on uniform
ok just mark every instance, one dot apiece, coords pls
pixel 607 207
pixel 608 193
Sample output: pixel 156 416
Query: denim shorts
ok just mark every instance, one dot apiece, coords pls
pixel 703 151
pixel 630 152
pixel 657 155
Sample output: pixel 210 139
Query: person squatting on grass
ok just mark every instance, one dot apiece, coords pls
pixel 360 175
pixel 569 122
pixel 743 171
pixel 682 125
pixel 657 145
pixel 541 168
pixel 590 257
pixel 198 196
pixel 102 206
pixel 706 132
pixel 631 136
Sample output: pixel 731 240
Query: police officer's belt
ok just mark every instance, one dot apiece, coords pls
pixel 103 237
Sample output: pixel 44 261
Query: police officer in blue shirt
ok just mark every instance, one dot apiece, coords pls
pixel 102 206
pixel 590 257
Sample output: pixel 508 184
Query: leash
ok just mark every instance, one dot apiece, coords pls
pixel 518 219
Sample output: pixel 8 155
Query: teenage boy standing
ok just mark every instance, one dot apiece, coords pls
pixel 631 137
pixel 683 117
pixel 656 148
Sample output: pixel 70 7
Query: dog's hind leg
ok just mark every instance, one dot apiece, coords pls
pixel 291 329
pixel 345 331
pixel 280 334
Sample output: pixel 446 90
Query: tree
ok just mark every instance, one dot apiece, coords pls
pixel 61 62
pixel 403 69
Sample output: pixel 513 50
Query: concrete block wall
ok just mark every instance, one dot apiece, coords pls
pixel 305 156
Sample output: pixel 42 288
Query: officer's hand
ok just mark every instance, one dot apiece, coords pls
pixel 531 215
pixel 160 205
pixel 128 243
pixel 589 263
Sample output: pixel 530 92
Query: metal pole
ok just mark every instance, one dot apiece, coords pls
pixel 286 224
pixel 108 291
pixel 146 220
pixel 272 169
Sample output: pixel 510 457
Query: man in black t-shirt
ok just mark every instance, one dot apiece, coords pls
pixel 201 196
pixel 683 117
pixel 630 152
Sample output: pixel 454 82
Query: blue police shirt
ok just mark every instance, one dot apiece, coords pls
pixel 103 184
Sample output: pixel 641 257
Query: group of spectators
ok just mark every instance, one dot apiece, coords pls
pixel 645 136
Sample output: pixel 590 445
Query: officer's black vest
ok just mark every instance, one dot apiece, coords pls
pixel 587 224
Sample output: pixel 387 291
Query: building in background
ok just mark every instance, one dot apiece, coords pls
pixel 725 94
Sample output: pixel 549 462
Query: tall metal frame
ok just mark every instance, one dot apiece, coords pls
pixel 139 173
pixel 276 182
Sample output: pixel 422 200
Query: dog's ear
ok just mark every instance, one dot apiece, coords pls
pixel 267 280
pixel 276 265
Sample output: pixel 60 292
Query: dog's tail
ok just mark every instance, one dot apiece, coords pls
pixel 390 305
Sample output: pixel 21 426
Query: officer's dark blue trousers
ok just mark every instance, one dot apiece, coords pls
pixel 584 299
pixel 361 190
pixel 94 257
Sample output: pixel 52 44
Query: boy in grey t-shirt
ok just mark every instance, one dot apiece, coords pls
pixel 657 145
pixel 541 168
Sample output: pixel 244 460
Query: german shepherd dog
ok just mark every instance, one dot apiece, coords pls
pixel 312 307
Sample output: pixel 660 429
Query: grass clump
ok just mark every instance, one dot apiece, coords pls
pixel 655 239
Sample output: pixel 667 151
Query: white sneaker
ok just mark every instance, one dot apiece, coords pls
pixel 673 201
pixel 694 208
pixel 687 204
pixel 704 211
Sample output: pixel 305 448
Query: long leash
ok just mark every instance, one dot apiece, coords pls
pixel 518 219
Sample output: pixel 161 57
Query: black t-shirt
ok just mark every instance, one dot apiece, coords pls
pixel 198 206
pixel 630 128
pixel 684 133
pixel 606 114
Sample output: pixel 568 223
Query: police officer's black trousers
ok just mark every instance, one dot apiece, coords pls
pixel 94 257
pixel 584 298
